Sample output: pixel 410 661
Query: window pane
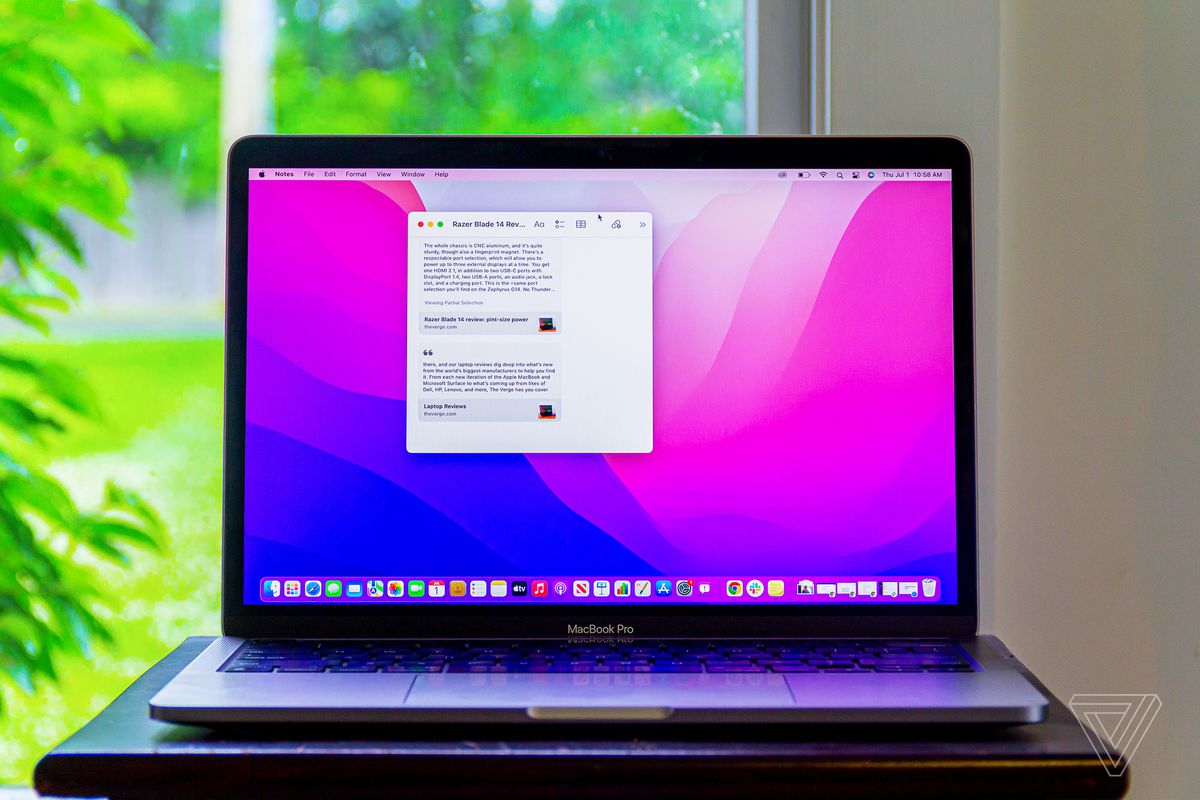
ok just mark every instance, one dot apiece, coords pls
pixel 521 66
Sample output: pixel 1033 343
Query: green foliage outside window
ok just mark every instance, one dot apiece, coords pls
pixel 50 117
pixel 435 66
pixel 620 66
pixel 94 92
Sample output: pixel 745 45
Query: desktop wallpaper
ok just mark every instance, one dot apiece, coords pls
pixel 803 392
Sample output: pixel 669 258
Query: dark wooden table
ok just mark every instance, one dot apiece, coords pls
pixel 124 754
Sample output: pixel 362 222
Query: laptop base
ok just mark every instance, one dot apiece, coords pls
pixel 993 692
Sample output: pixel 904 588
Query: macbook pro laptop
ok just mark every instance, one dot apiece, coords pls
pixel 558 429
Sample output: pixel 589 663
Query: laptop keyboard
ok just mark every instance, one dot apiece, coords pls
pixel 681 656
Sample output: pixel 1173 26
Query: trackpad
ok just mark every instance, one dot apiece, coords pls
pixel 599 690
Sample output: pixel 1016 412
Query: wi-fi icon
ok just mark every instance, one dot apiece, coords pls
pixel 823 174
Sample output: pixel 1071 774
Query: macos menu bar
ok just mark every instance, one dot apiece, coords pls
pixel 816 174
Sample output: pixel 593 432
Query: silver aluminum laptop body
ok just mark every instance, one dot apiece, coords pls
pixel 993 690
pixel 996 693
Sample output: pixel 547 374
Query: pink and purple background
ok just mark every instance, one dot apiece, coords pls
pixel 803 392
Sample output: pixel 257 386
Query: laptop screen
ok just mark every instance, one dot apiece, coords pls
pixel 623 386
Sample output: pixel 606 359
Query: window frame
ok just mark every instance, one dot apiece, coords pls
pixel 786 46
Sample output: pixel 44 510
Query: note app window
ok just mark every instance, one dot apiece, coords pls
pixel 530 332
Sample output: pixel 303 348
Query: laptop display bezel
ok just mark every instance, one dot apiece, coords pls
pixel 552 620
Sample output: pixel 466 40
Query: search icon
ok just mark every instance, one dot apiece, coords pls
pixel 840 175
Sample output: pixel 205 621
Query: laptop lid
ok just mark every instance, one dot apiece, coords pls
pixel 631 386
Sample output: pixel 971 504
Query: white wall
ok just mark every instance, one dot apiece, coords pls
pixel 1098 461
pixel 1084 118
